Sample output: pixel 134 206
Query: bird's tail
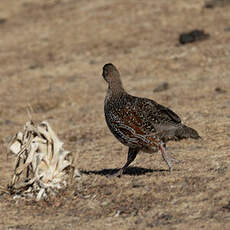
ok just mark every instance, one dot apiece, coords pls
pixel 185 132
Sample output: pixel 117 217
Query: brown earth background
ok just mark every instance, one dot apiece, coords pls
pixel 51 58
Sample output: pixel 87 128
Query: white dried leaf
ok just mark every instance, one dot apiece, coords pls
pixel 15 147
pixel 42 163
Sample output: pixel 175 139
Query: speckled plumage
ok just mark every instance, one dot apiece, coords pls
pixel 140 123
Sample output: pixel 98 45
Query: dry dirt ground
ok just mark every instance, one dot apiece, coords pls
pixel 51 58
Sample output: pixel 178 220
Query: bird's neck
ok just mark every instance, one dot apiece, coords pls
pixel 116 88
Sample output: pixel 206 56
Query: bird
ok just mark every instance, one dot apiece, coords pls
pixel 140 123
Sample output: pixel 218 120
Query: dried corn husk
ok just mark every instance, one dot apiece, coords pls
pixel 42 166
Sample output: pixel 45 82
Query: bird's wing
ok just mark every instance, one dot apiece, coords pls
pixel 157 114
pixel 168 114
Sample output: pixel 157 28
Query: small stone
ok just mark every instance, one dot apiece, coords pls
pixel 161 87
pixel 2 20
pixel 193 36
pixel 220 90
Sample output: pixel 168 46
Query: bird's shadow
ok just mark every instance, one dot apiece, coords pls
pixel 132 171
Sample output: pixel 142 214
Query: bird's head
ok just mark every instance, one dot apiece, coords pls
pixel 110 73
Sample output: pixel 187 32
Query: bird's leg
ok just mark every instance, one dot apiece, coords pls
pixel 131 156
pixel 170 155
pixel 172 158
pixel 165 156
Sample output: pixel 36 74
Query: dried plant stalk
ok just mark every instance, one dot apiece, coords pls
pixel 42 166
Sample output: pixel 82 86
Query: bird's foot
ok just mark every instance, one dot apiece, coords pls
pixel 117 174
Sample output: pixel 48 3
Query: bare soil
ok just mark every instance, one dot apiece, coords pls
pixel 51 58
